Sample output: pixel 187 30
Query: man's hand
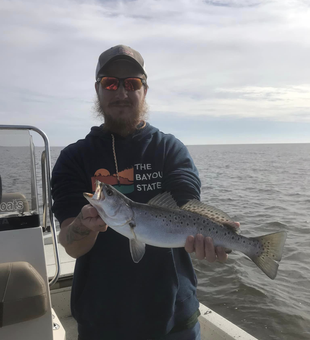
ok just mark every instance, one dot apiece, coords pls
pixel 78 234
pixel 204 247
pixel 89 218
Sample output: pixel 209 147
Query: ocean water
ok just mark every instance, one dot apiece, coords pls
pixel 264 187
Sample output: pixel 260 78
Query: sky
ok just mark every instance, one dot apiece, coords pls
pixel 219 71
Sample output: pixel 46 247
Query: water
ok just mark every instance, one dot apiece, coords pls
pixel 266 188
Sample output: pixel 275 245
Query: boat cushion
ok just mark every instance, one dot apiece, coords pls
pixel 23 293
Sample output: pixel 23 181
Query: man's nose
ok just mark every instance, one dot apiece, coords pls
pixel 121 92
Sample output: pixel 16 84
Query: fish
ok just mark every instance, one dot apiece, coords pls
pixel 162 223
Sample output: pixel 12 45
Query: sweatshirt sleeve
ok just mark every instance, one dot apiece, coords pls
pixel 181 176
pixel 68 183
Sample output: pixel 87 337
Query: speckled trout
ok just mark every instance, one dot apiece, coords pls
pixel 161 223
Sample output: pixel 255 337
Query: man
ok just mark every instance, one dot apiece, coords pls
pixel 113 297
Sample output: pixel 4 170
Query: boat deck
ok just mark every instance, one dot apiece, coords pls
pixel 67 263
pixel 60 292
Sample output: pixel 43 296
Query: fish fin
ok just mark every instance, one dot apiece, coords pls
pixel 164 200
pixel 273 245
pixel 213 214
pixel 137 250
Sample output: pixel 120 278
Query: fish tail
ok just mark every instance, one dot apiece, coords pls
pixel 273 245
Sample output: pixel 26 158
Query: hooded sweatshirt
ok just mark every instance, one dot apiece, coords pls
pixel 113 297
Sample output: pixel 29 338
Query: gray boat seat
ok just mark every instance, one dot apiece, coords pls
pixel 23 293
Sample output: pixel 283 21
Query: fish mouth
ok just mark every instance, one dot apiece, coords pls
pixel 98 195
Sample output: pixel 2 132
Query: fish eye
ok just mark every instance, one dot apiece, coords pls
pixel 109 192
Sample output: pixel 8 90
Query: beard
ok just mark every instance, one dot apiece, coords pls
pixel 122 125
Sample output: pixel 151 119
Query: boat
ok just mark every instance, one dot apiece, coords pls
pixel 35 272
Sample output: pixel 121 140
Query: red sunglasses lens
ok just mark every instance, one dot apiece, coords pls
pixel 109 83
pixel 132 84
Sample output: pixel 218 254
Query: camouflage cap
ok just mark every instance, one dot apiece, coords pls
pixel 120 52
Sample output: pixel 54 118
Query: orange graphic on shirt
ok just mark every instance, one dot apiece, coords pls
pixel 126 177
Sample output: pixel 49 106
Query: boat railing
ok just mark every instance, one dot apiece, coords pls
pixel 46 191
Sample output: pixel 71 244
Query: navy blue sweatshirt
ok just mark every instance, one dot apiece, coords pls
pixel 113 297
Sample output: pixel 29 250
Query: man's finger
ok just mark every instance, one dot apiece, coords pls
pixel 231 224
pixel 221 254
pixel 209 250
pixel 88 211
pixel 189 244
pixel 103 227
pixel 199 247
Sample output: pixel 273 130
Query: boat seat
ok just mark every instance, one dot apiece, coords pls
pixel 14 203
pixel 23 293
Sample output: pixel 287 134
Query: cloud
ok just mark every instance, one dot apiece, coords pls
pixel 237 59
pixel 234 3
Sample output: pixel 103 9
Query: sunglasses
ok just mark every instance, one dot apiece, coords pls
pixel 130 83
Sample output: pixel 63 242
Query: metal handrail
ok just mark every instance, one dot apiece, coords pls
pixel 46 185
pixel 44 199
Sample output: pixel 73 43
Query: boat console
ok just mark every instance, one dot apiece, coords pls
pixel 25 303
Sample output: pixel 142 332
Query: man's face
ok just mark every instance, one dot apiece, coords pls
pixel 122 110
